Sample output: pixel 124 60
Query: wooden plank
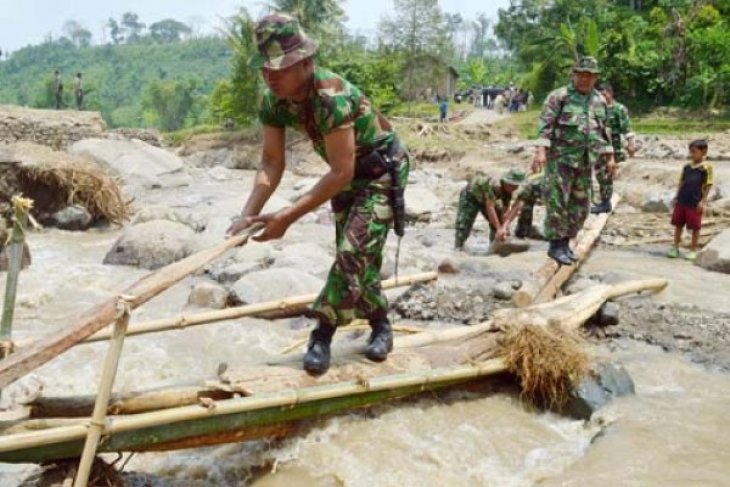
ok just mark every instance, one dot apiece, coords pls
pixel 46 349
pixel 545 276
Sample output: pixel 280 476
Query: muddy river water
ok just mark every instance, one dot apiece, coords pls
pixel 673 432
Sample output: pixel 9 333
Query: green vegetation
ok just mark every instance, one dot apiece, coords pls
pixel 117 75
pixel 654 52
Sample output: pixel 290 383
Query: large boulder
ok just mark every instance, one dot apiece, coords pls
pixel 161 212
pixel 274 284
pixel 74 217
pixel 135 161
pixel 421 203
pixel 716 255
pixel 603 382
pixel 151 245
pixel 208 295
pixel 306 256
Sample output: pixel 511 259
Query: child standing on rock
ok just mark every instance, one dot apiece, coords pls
pixel 691 200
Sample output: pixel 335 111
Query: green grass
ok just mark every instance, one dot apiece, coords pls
pixel 525 124
pixel 175 139
pixel 427 110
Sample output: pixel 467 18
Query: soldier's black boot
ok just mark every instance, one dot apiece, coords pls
pixel 558 253
pixel 380 343
pixel 569 251
pixel 603 207
pixel 317 358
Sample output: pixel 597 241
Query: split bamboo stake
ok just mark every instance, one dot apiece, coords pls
pixel 109 374
pixel 281 399
pixel 545 276
pixel 21 210
pixel 24 361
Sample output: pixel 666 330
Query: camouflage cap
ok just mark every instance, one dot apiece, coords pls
pixel 514 176
pixel 587 64
pixel 281 43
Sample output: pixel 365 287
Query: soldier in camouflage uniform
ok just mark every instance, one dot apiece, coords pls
pixel 490 198
pixel 365 159
pixel 528 196
pixel 620 124
pixel 573 136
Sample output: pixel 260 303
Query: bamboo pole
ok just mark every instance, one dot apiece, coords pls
pixel 24 361
pixel 545 277
pixel 284 305
pixel 21 211
pixel 288 305
pixel 281 399
pixel 98 418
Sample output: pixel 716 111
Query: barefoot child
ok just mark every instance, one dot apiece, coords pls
pixel 689 204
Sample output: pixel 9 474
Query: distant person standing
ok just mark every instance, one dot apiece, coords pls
pixel 79 91
pixel 691 199
pixel 58 89
pixel 443 110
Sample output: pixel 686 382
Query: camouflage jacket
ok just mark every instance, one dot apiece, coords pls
pixel 333 103
pixel 620 124
pixel 531 192
pixel 483 188
pixel 574 127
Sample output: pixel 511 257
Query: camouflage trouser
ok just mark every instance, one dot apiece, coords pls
pixel 363 217
pixel 524 222
pixel 466 214
pixel 604 178
pixel 567 196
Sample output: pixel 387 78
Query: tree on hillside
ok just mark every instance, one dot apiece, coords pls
pixel 169 30
pixel 115 31
pixel 419 31
pixel 321 19
pixel 133 27
pixel 237 98
pixel 169 102
pixel 78 34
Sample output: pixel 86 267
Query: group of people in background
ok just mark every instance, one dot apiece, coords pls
pixel 58 90
pixel 583 132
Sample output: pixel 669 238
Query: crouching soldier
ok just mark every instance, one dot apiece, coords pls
pixel 489 197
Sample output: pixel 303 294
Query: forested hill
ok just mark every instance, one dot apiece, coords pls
pixel 117 77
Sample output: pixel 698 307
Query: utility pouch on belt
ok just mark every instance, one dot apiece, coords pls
pixel 374 166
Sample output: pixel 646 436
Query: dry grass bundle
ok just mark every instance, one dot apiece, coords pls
pixel 79 180
pixel 547 361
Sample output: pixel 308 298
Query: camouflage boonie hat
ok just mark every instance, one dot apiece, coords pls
pixel 281 43
pixel 587 64
pixel 514 176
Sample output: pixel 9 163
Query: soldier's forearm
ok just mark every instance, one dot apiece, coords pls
pixel 266 182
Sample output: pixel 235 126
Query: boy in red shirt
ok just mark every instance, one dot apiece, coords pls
pixel 691 200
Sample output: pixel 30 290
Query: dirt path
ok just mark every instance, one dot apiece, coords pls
pixel 480 116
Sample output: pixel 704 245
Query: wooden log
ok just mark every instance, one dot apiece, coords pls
pixel 24 361
pixel 126 403
pixel 544 277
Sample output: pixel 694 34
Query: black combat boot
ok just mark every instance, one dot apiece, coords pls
pixel 317 358
pixel 380 343
pixel 558 252
pixel 603 207
pixel 569 251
